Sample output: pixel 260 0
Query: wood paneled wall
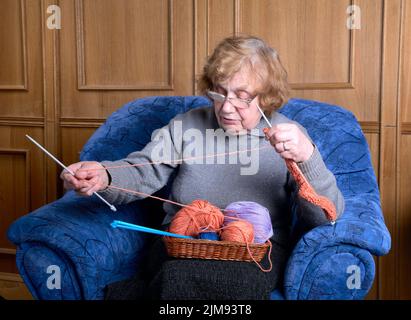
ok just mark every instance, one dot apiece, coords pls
pixel 402 229
pixel 60 85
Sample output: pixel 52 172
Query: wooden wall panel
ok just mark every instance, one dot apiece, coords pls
pixel 74 139
pixel 364 96
pixel 14 189
pixel 311 37
pixel 404 218
pixel 388 171
pixel 140 60
pixel 13 139
pixel 13 74
pixel 388 279
pixel 373 140
pixel 221 21
pixel 21 77
pixel 145 48
pixel 22 186
pixel 404 170
pixel 12 287
pixel 405 77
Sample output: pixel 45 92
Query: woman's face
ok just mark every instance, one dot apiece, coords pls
pixel 233 119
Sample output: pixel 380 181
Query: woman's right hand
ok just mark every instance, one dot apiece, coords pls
pixel 89 177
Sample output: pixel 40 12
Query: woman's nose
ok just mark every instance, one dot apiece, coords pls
pixel 228 106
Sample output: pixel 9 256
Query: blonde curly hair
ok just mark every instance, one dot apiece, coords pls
pixel 236 52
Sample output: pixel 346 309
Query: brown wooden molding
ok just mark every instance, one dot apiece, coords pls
pixel 81 123
pixel 7 251
pixel 406 128
pixel 51 97
pixel 322 86
pixel 22 121
pixel 370 126
pixel 10 277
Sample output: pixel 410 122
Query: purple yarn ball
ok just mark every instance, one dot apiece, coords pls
pixel 254 213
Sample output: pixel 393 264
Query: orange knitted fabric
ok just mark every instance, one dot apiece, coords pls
pixel 307 192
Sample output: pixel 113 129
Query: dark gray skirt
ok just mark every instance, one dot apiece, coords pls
pixel 165 278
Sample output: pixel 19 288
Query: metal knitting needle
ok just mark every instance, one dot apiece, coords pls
pixel 113 208
pixel 265 118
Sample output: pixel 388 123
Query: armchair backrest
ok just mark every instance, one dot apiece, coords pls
pixel 335 131
pixel 129 128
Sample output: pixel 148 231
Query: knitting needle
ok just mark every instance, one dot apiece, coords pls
pixel 135 227
pixel 265 118
pixel 269 124
pixel 113 208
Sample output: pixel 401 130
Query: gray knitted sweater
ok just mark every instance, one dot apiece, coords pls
pixel 258 175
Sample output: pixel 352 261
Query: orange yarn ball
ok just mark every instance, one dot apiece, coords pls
pixel 199 216
pixel 238 231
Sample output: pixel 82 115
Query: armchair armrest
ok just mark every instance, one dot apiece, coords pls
pixel 74 234
pixel 328 273
pixel 325 257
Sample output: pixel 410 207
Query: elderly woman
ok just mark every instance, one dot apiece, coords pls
pixel 247 83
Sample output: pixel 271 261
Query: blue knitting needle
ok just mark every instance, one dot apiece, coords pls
pixel 135 227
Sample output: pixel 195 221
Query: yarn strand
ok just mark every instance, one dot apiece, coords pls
pixel 159 198
pixel 250 253
pixel 174 161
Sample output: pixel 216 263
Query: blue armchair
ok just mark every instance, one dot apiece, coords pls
pixel 73 234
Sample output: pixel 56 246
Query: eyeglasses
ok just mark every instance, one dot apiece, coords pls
pixel 236 102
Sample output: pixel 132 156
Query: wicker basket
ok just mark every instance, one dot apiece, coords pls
pixel 216 250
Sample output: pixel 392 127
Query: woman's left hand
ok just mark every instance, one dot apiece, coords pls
pixel 290 142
